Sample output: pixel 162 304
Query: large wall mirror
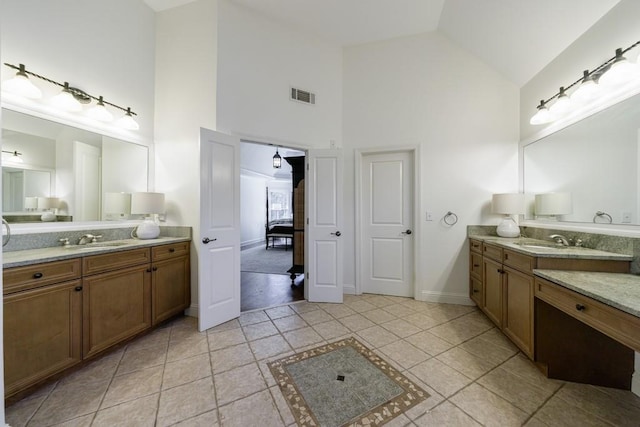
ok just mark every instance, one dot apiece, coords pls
pixel 596 161
pixel 69 168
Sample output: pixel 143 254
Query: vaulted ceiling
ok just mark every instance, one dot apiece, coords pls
pixel 515 37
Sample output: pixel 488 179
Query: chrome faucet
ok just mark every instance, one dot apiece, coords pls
pixel 560 239
pixel 88 238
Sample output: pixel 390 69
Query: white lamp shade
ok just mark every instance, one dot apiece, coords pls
pixel 147 203
pixel 30 202
pixel 48 202
pixel 553 204
pixel 117 203
pixel 22 86
pixel 508 203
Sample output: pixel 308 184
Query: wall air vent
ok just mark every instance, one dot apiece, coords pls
pixel 303 96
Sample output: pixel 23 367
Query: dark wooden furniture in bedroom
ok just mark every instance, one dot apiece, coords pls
pixel 297 166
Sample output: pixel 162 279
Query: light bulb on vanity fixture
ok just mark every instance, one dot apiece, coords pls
pixel 11 157
pixel 508 204
pixel 620 71
pixel 543 115
pixel 66 101
pixel 588 90
pixel 100 112
pixel 127 121
pixel 562 105
pixel 21 85
pixel 150 204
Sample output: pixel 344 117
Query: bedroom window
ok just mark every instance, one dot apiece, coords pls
pixel 280 205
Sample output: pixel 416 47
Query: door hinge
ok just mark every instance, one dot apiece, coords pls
pixel 307 166
pixel 307 221
pixel 306 275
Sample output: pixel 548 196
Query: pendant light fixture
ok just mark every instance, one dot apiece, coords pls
pixel 277 160
pixel 21 85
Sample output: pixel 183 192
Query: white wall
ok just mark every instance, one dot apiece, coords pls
pixel 425 91
pixel 104 48
pixel 258 61
pixel 186 61
pixel 617 29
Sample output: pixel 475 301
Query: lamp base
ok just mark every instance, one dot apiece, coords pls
pixel 148 229
pixel 48 216
pixel 508 228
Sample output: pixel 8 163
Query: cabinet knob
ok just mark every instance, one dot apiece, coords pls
pixel 37 275
pixel 476 265
pixel 78 288
pixel 580 307
pixel 475 291
pixel 148 270
pixel 155 268
pixel 172 250
pixel 506 256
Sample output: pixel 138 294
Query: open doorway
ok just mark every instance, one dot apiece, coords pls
pixel 271 248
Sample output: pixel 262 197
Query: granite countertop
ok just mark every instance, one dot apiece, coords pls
pixel 547 249
pixel 57 253
pixel 621 291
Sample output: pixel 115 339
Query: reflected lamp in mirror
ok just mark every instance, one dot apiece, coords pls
pixel 551 205
pixel 48 205
pixel 117 205
pixel 150 204
pixel 508 204
pixel 30 203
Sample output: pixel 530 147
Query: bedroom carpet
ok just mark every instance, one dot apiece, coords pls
pixel 260 260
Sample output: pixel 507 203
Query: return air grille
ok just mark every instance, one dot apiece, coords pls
pixel 303 96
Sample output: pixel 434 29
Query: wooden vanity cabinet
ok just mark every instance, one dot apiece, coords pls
pixel 475 272
pixel 42 322
pixel 171 288
pixel 57 314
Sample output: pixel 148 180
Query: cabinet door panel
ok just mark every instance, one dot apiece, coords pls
pixel 116 306
pixel 170 293
pixel 492 282
pixel 42 333
pixel 518 316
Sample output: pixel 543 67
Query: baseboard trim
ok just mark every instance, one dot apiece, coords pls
pixel 349 289
pixel 192 311
pixel 252 243
pixel 445 298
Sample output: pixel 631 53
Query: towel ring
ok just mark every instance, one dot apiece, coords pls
pixel 604 215
pixel 450 218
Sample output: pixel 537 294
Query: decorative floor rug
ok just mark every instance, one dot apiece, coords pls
pixel 344 384
pixel 260 260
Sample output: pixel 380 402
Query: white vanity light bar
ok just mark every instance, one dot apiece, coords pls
pixel 613 72
pixel 18 83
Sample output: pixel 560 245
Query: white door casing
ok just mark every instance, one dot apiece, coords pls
pixel 219 240
pixel 324 254
pixel 386 223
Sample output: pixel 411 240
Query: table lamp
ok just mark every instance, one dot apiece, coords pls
pixel 118 204
pixel 553 204
pixel 508 204
pixel 149 204
pixel 48 205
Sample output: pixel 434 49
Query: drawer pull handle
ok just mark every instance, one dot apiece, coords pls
pixel 475 291
pixel 172 250
pixel 580 307
pixel 476 265
pixel 148 270
pixel 506 256
pixel 78 288
pixel 155 268
pixel 37 275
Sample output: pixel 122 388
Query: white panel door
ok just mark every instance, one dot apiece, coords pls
pixel 219 240
pixel 87 170
pixel 387 221
pixel 324 282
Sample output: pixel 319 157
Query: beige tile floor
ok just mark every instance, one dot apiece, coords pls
pixel 179 376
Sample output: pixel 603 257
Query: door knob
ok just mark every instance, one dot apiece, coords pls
pixel 407 232
pixel 337 234
pixel 207 240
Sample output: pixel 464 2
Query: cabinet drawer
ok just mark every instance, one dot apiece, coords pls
pixel 475 264
pixel 615 323
pixel 518 261
pixel 475 245
pixel 491 251
pixel 475 290
pixel 33 276
pixel 169 251
pixel 116 260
